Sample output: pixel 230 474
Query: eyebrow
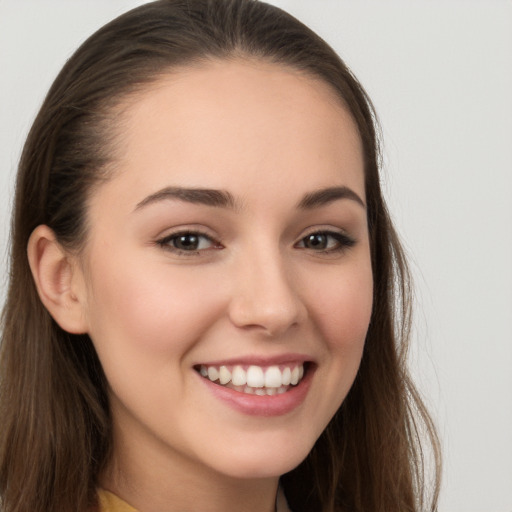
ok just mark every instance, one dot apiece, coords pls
pixel 325 196
pixel 205 196
pixel 223 199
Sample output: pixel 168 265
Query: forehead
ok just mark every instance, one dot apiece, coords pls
pixel 253 122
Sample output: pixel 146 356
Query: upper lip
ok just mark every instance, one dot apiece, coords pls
pixel 259 360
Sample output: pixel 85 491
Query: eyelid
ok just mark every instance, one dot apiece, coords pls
pixel 345 241
pixel 164 241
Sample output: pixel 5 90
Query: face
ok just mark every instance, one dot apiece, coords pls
pixel 227 272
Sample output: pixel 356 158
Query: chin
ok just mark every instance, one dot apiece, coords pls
pixel 259 462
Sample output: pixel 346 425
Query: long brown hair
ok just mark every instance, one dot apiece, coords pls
pixel 55 425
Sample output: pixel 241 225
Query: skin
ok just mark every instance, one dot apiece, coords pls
pixel 268 136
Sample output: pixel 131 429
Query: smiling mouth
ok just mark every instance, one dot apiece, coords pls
pixel 255 380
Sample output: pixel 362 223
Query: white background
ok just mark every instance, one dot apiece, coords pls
pixel 440 75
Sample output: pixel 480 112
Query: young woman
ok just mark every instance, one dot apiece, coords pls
pixel 204 284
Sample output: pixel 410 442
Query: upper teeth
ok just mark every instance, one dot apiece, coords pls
pixel 254 376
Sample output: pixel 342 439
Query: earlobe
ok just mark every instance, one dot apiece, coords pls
pixel 54 271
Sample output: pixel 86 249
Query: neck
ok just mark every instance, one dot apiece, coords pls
pixel 168 482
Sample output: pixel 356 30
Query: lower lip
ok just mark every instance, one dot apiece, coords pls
pixel 267 405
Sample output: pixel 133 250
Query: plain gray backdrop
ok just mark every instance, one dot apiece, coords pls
pixel 440 75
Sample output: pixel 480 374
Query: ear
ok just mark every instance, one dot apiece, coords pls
pixel 59 280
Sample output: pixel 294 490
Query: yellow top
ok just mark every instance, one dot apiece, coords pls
pixel 111 503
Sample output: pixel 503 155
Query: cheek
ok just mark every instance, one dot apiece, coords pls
pixel 341 306
pixel 344 308
pixel 151 311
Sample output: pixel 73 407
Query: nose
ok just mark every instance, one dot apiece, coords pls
pixel 265 297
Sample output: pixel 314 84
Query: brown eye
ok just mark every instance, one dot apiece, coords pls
pixel 326 241
pixel 316 241
pixel 187 242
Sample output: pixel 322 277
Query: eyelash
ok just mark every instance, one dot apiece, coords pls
pixel 168 242
pixel 342 242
